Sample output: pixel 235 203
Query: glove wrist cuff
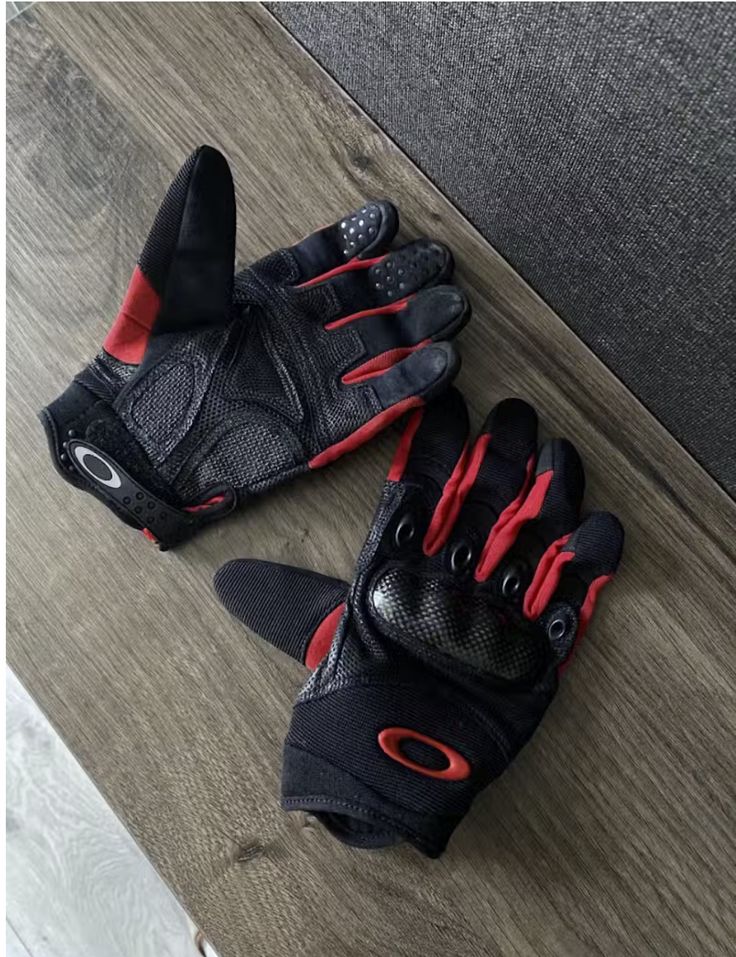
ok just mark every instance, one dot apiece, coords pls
pixel 354 813
pixel 399 760
pixel 65 418
pixel 67 422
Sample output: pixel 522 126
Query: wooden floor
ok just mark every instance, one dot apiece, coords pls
pixel 613 833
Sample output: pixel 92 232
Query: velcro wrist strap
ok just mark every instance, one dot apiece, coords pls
pixel 66 421
pixel 163 523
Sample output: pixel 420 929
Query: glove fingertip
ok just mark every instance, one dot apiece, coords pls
pixel 425 373
pixel 389 218
pixel 598 542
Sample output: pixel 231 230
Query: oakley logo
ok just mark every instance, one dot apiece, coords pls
pixel 97 467
pixel 391 739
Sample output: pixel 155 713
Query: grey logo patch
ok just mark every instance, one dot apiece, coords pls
pixel 99 468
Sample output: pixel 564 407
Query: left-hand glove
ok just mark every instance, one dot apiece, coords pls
pixel 435 666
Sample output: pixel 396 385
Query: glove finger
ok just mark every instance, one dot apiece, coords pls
pixel 430 459
pixel 183 281
pixel 381 286
pixel 292 608
pixel 409 384
pixel 495 479
pixel 548 511
pixel 432 447
pixel 359 235
pixel 571 576
pixel 431 315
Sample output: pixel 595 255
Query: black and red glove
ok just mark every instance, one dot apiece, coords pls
pixel 210 389
pixel 435 666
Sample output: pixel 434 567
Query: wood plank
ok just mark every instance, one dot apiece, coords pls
pixel 613 832
pixel 77 883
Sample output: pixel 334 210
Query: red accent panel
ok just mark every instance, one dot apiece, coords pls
pixel 543 567
pixel 319 643
pixel 389 741
pixel 401 456
pixel 454 494
pixel 512 508
pixel 215 500
pixel 447 511
pixel 546 578
pixel 149 535
pixel 588 606
pixel 349 266
pixel 366 432
pixel 432 540
pixel 389 310
pixel 379 364
pixel 586 613
pixel 128 337
pixel 503 536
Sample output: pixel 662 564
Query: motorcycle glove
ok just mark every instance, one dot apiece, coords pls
pixel 211 388
pixel 435 666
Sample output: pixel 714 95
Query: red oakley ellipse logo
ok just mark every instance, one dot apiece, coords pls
pixel 390 739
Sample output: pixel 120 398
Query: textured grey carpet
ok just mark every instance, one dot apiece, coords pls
pixel 595 146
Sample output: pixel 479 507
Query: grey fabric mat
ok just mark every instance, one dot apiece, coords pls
pixel 594 146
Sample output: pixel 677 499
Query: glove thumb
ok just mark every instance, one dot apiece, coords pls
pixel 184 277
pixel 292 608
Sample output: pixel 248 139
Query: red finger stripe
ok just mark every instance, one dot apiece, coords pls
pixel 319 643
pixel 546 578
pixel 349 266
pixel 586 613
pixel 588 606
pixel 129 334
pixel 366 313
pixel 379 364
pixel 513 507
pixel 453 496
pixel 502 537
pixel 366 432
pixel 215 500
pixel 432 541
pixel 401 457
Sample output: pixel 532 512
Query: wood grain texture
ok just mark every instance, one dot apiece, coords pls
pixel 78 886
pixel 613 833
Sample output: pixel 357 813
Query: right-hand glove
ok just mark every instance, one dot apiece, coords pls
pixel 435 666
pixel 207 392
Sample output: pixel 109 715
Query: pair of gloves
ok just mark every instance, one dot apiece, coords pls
pixel 432 669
